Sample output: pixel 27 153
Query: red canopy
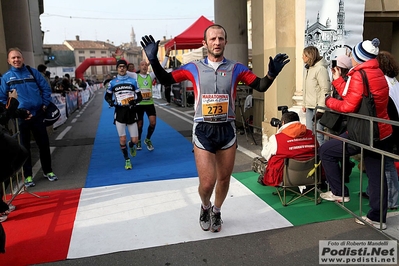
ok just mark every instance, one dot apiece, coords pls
pixel 192 37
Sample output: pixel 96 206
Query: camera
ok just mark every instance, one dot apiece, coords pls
pixel 283 109
pixel 333 63
pixel 275 122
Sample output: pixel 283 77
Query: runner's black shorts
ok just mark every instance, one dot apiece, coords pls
pixel 149 109
pixel 214 136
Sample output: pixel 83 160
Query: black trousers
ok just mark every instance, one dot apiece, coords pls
pixel 37 128
pixel 331 153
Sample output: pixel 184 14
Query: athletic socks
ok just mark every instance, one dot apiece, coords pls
pixel 207 207
pixel 150 131
pixel 124 151
pixel 215 209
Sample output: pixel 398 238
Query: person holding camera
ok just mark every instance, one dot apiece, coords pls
pixel 34 94
pixel 292 140
pixel 12 154
pixel 364 75
pixel 126 94
pixel 342 64
pixel 215 80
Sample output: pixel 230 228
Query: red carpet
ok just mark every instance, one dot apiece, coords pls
pixel 40 229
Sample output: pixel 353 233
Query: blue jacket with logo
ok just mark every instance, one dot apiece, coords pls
pixel 33 91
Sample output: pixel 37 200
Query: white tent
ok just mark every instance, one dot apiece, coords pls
pixel 194 55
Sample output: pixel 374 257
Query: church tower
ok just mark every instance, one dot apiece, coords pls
pixel 341 21
pixel 133 42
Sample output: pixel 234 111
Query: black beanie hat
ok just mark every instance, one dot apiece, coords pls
pixel 121 61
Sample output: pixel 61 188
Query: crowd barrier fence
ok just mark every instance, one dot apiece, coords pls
pixel 67 103
pixel 362 147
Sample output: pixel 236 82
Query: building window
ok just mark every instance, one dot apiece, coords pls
pixel 92 52
pixel 103 52
pixel 81 59
pixel 81 52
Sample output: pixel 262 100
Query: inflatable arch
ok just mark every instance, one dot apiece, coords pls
pixel 106 61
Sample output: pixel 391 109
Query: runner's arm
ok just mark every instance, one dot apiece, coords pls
pixel 261 84
pixel 162 75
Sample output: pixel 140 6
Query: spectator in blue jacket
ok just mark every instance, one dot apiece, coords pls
pixel 34 95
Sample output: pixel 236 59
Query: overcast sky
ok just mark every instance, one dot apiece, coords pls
pixel 113 20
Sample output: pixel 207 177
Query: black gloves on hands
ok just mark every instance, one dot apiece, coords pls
pixel 150 47
pixel 22 113
pixel 277 64
pixel 133 103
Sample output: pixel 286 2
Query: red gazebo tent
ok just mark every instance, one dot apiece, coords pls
pixel 192 37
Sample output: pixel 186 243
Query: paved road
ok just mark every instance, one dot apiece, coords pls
pixel 298 245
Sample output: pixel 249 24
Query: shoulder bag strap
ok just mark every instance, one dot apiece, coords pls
pixel 366 84
pixel 31 72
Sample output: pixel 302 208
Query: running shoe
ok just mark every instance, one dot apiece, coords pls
pixel 149 144
pixel 373 223
pixel 11 207
pixel 29 182
pixel 3 217
pixel 329 196
pixel 205 219
pixel 132 150
pixel 51 176
pixel 128 164
pixel 139 145
pixel 216 222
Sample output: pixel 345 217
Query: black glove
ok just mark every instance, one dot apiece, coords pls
pixel 277 64
pixel 22 113
pixel 111 104
pixel 318 116
pixel 150 47
pixel 132 103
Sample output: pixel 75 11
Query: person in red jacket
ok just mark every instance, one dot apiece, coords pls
pixel 363 58
pixel 292 140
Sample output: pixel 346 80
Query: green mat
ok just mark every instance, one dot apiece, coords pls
pixel 304 211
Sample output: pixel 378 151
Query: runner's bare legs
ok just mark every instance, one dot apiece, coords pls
pixel 214 169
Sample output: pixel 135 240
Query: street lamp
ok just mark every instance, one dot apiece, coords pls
pixel 44 35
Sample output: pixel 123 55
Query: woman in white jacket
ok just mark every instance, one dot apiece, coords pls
pixel 316 84
pixel 390 68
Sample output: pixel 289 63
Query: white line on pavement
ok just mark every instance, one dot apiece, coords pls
pixel 62 134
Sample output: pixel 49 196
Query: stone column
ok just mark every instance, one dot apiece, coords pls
pixel 17 29
pixel 232 15
pixel 3 49
pixel 275 30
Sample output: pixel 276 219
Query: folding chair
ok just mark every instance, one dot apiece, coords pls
pixel 300 173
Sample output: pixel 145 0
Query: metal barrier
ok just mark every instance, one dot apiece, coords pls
pixel 362 148
pixel 17 181
pixel 187 93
